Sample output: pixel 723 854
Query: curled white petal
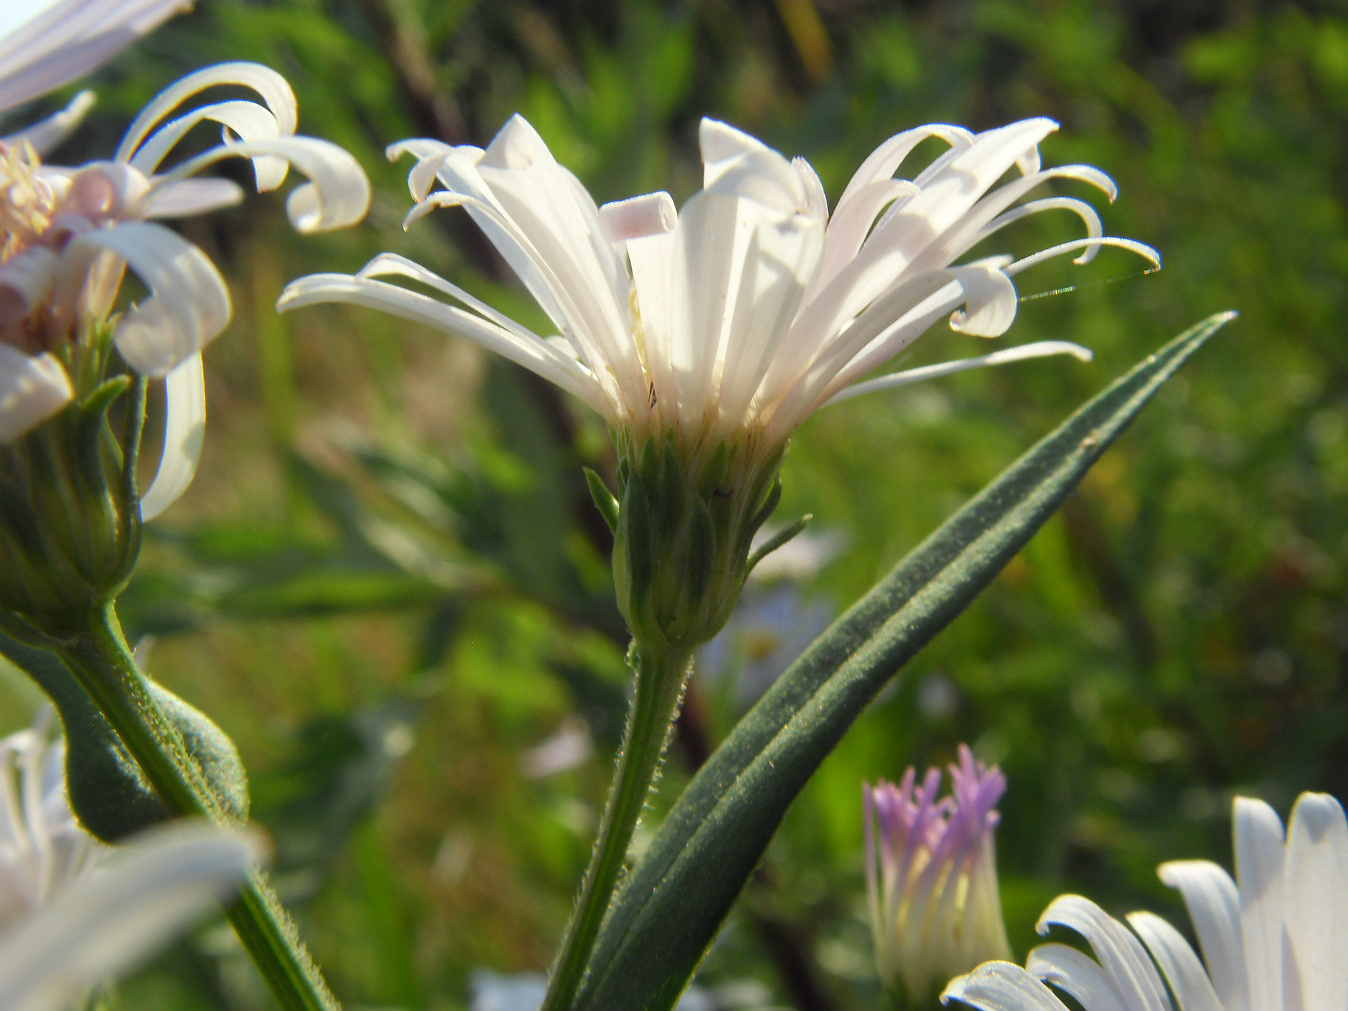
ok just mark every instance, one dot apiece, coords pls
pixel 271 86
pixel 189 304
pixel 530 351
pixel 184 434
pixel 1214 908
pixel 638 217
pixel 32 389
pixel 1001 986
pixel 336 196
pixel 1039 349
pixel 71 38
pixel 105 923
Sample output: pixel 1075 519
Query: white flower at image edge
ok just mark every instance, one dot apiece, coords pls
pixel 753 306
pixel 73 911
pixel 69 233
pixel 1275 939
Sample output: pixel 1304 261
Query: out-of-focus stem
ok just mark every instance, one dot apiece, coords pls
pixel 99 657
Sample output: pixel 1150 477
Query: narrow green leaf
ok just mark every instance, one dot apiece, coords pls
pixel 675 900
pixel 777 540
pixel 603 499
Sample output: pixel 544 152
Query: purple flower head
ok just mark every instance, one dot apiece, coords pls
pixel 931 875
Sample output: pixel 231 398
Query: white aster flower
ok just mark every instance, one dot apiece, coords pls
pixel 68 234
pixel 931 875
pixel 752 307
pixel 1275 939
pixel 706 336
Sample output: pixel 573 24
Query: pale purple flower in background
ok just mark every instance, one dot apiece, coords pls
pixel 735 318
pixel 931 875
pixel 770 627
pixel 1275 939
pixel 523 991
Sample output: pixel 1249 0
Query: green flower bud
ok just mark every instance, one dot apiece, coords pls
pixel 69 517
pixel 685 522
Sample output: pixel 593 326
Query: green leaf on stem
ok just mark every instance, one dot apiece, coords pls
pixel 671 906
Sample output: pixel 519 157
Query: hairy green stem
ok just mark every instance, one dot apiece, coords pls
pixel 659 686
pixel 98 655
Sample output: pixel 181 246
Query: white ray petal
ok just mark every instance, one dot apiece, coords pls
pixel 1120 953
pixel 271 86
pixel 46 134
pixel 535 355
pixel 32 389
pixel 1259 873
pixel 248 120
pixel 739 165
pixel 71 38
pixel 1083 210
pixel 184 435
pixel 25 280
pixel 1315 899
pixel 1001 986
pixel 393 265
pixel 1140 248
pixel 1214 909
pixel 109 921
pixel 189 304
pixel 882 163
pixel 638 217
pixel 1183 971
pixel 1039 349
pixel 336 196
pixel 989 301
pixel 189 197
pixel 1078 975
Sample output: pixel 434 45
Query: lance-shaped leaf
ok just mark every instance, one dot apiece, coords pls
pixel 669 909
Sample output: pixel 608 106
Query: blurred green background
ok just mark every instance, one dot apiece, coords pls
pixel 388 584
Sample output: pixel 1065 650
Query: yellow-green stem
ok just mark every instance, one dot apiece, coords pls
pixel 659 686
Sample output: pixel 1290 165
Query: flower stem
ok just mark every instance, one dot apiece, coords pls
pixel 659 685
pixel 98 655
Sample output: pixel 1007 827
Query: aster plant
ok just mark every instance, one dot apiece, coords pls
pixel 704 336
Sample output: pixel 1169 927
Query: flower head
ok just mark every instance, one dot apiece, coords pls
pixel 931 875
pixel 71 531
pixel 711 332
pixel 1275 941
